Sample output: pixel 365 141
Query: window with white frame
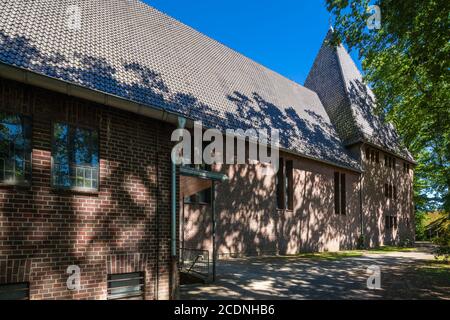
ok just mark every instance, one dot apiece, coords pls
pixel 75 157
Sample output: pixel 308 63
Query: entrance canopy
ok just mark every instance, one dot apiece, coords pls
pixel 193 181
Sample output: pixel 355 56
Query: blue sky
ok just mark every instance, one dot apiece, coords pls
pixel 283 35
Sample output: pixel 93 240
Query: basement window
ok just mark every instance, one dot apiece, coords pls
pixel 126 286
pixel 75 158
pixel 15 291
pixel 15 149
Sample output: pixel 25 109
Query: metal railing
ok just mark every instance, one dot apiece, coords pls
pixel 195 261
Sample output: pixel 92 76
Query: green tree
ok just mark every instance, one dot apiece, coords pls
pixel 406 62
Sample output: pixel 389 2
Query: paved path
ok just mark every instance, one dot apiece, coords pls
pixel 300 278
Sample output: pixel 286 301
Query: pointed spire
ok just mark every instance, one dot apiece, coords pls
pixel 348 101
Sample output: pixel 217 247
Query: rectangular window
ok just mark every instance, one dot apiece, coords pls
pixel 405 167
pixel 337 192
pixel 390 222
pixel 280 185
pixel 386 190
pixel 340 193
pixel 126 286
pixel 387 222
pixel 343 194
pixel 15 149
pixel 75 157
pixel 289 193
pixel 15 291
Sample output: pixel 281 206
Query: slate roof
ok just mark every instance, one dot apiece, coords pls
pixel 349 102
pixel 131 50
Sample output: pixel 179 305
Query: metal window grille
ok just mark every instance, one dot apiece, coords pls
pixel 126 286
pixel 15 291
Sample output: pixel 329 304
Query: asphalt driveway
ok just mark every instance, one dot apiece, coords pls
pixel 302 278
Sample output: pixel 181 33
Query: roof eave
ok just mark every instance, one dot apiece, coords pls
pixel 365 141
pixel 61 86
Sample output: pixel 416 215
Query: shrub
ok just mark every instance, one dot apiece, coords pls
pixel 443 239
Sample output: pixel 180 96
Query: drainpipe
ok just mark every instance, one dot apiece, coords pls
pixel 213 214
pixel 173 223
pixel 361 197
pixel 181 125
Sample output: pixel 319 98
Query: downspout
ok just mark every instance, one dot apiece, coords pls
pixel 157 213
pixel 213 215
pixel 181 125
pixel 362 237
pixel 173 222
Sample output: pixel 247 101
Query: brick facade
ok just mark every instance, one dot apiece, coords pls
pixel 249 223
pixel 125 226
pixel 376 205
pixel 44 230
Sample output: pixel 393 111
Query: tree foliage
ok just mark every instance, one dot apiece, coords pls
pixel 407 63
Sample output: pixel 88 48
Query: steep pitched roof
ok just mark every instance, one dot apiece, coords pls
pixel 349 102
pixel 130 50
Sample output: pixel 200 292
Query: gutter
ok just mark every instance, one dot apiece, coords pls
pixel 392 153
pixel 74 90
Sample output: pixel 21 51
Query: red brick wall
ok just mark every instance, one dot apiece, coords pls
pixel 252 225
pixel 52 229
pixel 248 222
pixel 376 205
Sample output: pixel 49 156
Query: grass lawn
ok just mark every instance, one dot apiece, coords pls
pixel 385 249
pixel 437 267
pixel 348 253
